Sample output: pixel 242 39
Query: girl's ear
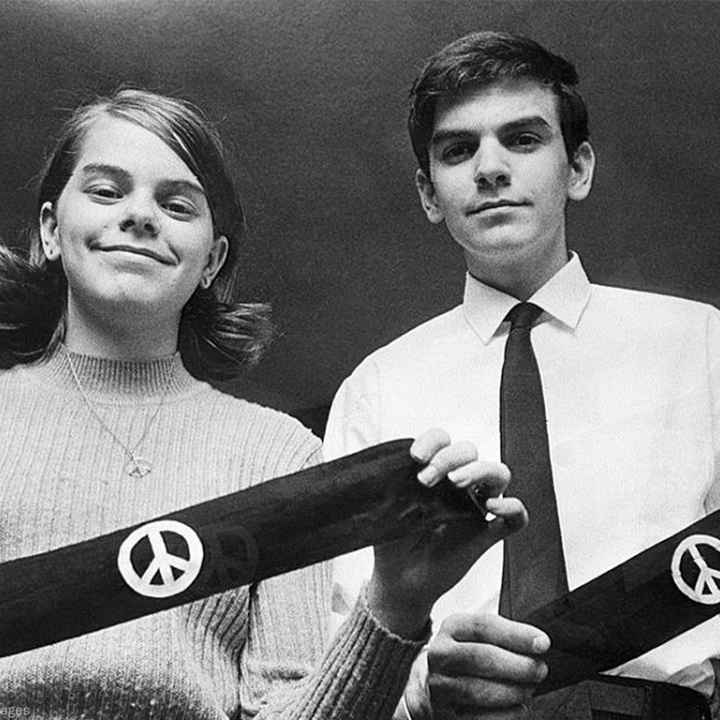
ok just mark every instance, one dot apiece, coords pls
pixel 216 259
pixel 49 235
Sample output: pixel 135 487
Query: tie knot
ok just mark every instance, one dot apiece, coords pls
pixel 523 315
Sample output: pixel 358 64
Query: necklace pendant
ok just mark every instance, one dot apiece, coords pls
pixel 138 467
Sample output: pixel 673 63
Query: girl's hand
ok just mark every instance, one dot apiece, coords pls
pixel 412 573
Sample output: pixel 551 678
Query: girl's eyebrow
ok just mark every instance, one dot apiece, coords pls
pixel 104 169
pixel 122 175
pixel 182 186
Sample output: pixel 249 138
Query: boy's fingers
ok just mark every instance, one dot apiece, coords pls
pixel 512 635
pixel 445 460
pixel 429 443
pixel 494 477
pixel 510 513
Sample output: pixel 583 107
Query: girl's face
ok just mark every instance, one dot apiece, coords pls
pixel 132 227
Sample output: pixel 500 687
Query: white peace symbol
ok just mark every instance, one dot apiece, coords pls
pixel 706 589
pixel 162 561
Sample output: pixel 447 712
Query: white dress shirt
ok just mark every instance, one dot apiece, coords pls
pixel 632 392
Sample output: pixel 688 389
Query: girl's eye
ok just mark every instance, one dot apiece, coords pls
pixel 104 192
pixel 179 207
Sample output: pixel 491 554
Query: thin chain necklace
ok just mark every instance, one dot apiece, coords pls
pixel 136 467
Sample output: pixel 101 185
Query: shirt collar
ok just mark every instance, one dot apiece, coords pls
pixel 563 297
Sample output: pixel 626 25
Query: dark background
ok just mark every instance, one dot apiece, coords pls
pixel 312 96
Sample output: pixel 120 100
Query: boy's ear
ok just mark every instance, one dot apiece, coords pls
pixel 428 200
pixel 49 235
pixel 582 169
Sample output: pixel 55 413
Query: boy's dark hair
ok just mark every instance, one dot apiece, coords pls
pixel 483 58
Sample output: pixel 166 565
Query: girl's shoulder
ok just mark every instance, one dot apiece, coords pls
pixel 274 442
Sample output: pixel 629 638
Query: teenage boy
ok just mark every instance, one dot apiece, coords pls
pixel 629 415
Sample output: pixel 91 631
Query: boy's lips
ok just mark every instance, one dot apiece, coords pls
pixel 494 204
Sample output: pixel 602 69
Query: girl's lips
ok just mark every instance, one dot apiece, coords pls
pixel 145 252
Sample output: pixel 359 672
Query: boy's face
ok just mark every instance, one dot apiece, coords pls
pixel 500 176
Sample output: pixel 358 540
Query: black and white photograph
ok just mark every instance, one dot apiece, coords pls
pixel 359 359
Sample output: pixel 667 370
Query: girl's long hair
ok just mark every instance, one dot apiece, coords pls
pixel 218 335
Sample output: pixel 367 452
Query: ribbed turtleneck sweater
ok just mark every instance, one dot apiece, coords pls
pixel 253 650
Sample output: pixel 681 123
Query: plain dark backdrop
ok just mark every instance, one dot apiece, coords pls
pixel 312 96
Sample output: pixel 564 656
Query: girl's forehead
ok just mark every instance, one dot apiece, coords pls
pixel 120 143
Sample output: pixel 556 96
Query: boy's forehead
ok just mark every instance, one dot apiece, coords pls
pixel 498 103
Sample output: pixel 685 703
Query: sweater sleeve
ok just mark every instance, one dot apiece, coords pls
pixel 360 677
pixel 288 670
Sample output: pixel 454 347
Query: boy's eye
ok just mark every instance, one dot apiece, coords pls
pixel 525 140
pixel 457 152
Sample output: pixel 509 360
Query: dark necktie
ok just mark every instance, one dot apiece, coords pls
pixel 533 565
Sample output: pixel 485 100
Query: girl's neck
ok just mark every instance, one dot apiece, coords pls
pixel 140 339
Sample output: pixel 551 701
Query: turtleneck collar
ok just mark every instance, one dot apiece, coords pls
pixel 120 379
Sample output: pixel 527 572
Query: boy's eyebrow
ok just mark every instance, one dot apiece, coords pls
pixel 444 135
pixel 531 121
pixel 179 185
pixel 538 121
